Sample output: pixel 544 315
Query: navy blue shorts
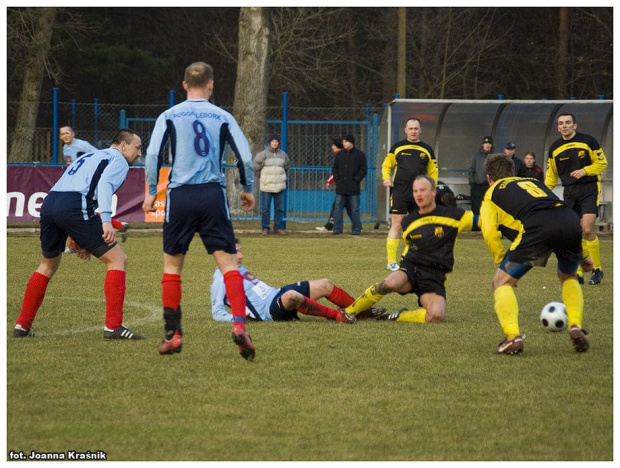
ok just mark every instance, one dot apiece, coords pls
pixel 424 279
pixel 555 231
pixel 62 216
pixel 202 209
pixel 277 310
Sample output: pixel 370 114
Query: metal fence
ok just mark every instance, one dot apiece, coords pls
pixel 306 134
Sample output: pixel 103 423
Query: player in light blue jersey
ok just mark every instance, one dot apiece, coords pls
pixel 196 198
pixel 73 147
pixel 69 210
pixel 266 303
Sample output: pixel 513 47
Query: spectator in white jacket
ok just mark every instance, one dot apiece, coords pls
pixel 271 166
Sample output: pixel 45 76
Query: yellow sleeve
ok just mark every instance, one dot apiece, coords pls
pixel 466 222
pixel 490 232
pixel 551 177
pixel 386 168
pixel 432 170
pixel 598 165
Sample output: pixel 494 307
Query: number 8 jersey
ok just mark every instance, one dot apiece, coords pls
pixel 506 207
pixel 198 132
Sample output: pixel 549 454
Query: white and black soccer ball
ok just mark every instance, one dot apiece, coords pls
pixel 553 317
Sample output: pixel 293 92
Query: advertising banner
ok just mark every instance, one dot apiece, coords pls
pixel 27 186
pixel 160 202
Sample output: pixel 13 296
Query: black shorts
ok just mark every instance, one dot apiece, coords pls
pixel 424 279
pixel 401 199
pixel 63 215
pixel 202 209
pixel 555 231
pixel 278 312
pixel 583 198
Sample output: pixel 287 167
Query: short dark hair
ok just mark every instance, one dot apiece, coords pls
pixel 572 116
pixel 337 142
pixel 413 118
pixel 498 166
pixel 198 75
pixel 125 135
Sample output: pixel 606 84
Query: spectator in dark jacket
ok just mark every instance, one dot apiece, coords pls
pixel 477 178
pixel 509 150
pixel 349 170
pixel 530 169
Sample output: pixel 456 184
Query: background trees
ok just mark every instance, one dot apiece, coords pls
pixel 324 57
pixel 330 56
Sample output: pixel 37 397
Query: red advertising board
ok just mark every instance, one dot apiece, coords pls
pixel 27 186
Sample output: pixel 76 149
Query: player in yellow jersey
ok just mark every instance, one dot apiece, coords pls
pixel 430 233
pixel 578 161
pixel 408 158
pixel 538 223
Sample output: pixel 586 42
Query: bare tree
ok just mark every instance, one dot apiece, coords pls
pixel 252 85
pixel 562 55
pixel 41 21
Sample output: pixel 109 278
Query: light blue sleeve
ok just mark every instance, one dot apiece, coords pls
pixel 240 146
pixel 84 146
pixel 154 158
pixel 219 311
pixel 112 178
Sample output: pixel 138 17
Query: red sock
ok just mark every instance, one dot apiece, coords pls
pixel 171 291
pixel 33 297
pixel 116 224
pixel 72 244
pixel 340 297
pixel 233 282
pixel 114 288
pixel 310 307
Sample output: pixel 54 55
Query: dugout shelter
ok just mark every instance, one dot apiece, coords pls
pixel 455 129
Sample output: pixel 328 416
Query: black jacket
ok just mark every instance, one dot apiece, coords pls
pixel 349 170
pixel 535 172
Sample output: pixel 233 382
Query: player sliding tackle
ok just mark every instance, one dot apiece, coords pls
pixel 429 234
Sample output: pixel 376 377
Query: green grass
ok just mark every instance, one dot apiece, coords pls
pixel 317 390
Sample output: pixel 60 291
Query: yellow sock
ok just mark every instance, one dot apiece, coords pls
pixel 391 246
pixel 595 253
pixel 572 296
pixel 365 301
pixel 507 310
pixel 580 270
pixel 584 248
pixel 417 315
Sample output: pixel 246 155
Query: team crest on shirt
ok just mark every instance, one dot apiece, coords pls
pixel 582 154
pixel 439 231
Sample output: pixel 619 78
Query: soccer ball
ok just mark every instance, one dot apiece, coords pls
pixel 553 317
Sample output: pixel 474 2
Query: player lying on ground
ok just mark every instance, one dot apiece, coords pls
pixel 429 233
pixel 266 303
pixel 538 223
pixel 69 210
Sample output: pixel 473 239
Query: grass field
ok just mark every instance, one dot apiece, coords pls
pixel 317 390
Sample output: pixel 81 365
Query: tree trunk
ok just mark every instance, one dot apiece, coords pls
pixel 23 132
pixel 401 82
pixel 562 56
pixel 252 85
